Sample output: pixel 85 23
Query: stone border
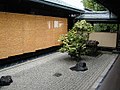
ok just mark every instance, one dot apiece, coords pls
pixel 101 78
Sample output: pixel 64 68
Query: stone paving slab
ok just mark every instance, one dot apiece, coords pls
pixel 38 74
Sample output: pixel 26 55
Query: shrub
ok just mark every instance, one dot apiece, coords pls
pixel 74 42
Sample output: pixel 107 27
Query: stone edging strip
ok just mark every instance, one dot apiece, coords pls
pixel 100 79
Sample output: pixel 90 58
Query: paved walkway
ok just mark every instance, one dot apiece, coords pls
pixel 38 74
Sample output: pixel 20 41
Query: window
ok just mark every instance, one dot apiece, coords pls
pixel 49 24
pixel 60 24
pixel 56 24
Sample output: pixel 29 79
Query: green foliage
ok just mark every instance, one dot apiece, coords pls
pixel 91 4
pixel 74 42
pixel 101 27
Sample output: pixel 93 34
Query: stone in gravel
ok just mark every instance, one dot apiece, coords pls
pixel 80 66
pixel 5 80
pixel 57 74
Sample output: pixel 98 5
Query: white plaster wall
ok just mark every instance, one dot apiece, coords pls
pixel 106 39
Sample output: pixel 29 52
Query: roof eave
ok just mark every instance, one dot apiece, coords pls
pixel 58 6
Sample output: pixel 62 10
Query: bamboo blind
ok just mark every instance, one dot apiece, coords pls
pixel 21 33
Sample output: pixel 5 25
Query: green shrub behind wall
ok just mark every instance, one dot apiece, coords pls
pixel 101 27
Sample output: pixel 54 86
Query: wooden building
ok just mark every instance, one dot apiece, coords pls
pixel 27 26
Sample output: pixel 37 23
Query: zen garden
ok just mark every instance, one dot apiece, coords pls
pixel 52 45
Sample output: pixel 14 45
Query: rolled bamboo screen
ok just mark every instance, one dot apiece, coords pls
pixel 21 33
